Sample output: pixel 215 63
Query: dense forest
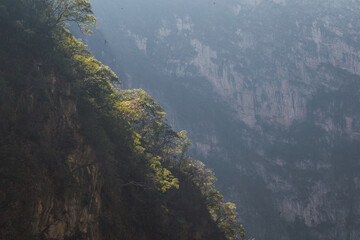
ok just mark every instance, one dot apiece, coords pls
pixel 79 157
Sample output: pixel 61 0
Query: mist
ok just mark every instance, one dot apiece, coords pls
pixel 179 119
pixel 268 92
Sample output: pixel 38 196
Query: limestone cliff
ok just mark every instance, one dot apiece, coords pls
pixel 268 90
pixel 52 185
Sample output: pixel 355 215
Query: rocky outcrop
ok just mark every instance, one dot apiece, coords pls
pixel 59 184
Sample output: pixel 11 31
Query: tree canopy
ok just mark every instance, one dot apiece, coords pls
pixel 78 11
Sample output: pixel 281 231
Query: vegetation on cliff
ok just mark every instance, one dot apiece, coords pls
pixel 58 105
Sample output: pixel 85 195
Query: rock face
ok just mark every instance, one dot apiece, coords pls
pixel 56 185
pixel 270 93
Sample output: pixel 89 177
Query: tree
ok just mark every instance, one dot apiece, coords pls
pixel 223 213
pixel 147 118
pixel 78 11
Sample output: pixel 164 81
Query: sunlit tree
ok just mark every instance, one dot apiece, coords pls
pixel 78 11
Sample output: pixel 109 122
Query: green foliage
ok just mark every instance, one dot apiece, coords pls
pixel 154 141
pixel 32 15
pixel 78 11
pixel 147 118
pixel 223 213
pixel 162 176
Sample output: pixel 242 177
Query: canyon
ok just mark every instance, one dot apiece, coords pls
pixel 268 92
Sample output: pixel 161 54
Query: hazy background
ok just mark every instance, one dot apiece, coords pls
pixel 269 92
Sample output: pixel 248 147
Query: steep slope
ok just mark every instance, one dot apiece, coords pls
pixel 268 91
pixel 81 160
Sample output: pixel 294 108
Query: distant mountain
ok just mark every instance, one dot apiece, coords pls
pixel 270 92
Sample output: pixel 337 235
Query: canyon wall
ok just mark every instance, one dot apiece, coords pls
pixel 269 92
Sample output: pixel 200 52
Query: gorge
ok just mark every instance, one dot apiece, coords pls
pixel 268 91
